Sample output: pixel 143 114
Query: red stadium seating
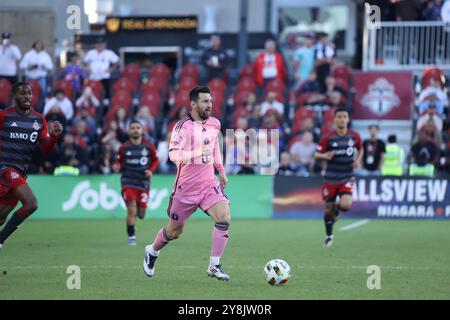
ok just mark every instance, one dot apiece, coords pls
pixel 151 99
pixel 276 85
pixel 432 72
pixel 66 86
pixel 154 84
pixel 217 84
pixel 191 71
pixel 340 71
pixel 342 83
pixel 247 84
pixel 36 91
pixel 123 84
pixel 187 83
pixel 5 90
pixel 97 88
pixel 241 98
pixel 161 71
pixel 303 113
pixel 121 98
pixel 246 71
pixel 131 70
pixel 182 98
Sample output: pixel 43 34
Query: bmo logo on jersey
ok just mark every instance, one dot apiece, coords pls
pixel 24 136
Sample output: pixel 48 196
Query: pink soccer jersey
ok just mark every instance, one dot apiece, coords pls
pixel 195 173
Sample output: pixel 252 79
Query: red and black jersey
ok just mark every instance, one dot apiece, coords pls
pixel 134 160
pixel 20 135
pixel 340 167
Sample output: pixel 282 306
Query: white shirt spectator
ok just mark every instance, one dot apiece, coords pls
pixel 275 105
pixel 99 62
pixel 434 118
pixel 9 55
pixel 41 59
pixel 303 152
pixel 440 94
pixel 65 105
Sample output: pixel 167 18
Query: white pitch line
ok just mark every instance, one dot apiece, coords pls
pixel 355 225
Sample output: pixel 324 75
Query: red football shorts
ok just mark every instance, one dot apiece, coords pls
pixel 331 191
pixel 10 180
pixel 140 196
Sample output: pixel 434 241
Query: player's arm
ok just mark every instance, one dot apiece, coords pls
pixel 358 160
pixel 322 152
pixel 119 159
pixel 218 164
pixel 177 143
pixel 49 135
pixel 154 163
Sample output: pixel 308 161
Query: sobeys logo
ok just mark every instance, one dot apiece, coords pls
pixel 105 198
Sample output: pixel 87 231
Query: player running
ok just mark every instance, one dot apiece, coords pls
pixel 21 131
pixel 137 160
pixel 194 148
pixel 338 148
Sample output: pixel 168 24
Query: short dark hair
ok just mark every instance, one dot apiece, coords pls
pixel 195 92
pixel 18 85
pixel 392 138
pixel 135 121
pixel 374 126
pixel 58 91
pixel 341 109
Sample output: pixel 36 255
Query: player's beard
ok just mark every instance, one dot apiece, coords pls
pixel 204 114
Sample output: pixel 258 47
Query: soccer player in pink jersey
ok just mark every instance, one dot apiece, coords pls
pixel 194 147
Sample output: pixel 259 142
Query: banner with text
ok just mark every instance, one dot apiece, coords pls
pixel 99 197
pixel 382 95
pixel 373 197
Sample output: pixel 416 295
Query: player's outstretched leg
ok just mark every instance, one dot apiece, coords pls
pixel 29 205
pixel 220 212
pixel 329 219
pixel 131 222
pixel 164 235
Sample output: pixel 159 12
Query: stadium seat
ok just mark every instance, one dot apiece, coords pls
pixel 131 70
pixel 154 84
pixel 121 98
pixel 217 84
pixel 340 71
pixel 97 88
pixel 36 91
pixel 161 71
pixel 276 85
pixel 328 115
pixel 218 101
pixel 342 83
pixel 187 83
pixel 246 71
pixel 5 90
pixel 191 71
pixel 151 99
pixel 66 86
pixel 432 72
pixel 303 113
pixel 247 84
pixel 241 98
pixel 123 84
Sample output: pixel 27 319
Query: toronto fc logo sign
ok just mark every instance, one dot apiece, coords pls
pixel 380 98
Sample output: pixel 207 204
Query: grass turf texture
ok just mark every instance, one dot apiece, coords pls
pixel 413 257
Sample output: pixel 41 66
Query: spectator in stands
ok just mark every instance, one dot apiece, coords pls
pixel 311 85
pixel 148 122
pixel 84 115
pixel 9 57
pixel 101 62
pixel 373 152
pixel 408 10
pixel 432 10
pixel 74 74
pixel 271 103
pixel 303 61
pixel 109 138
pixel 432 103
pixel 325 54
pixel 60 102
pixel 72 154
pixel 432 133
pixel 242 123
pixel 37 63
pixel 88 100
pixel 424 155
pixel 55 114
pixel 123 121
pixel 255 118
pixel 286 166
pixel 335 100
pixel 308 126
pixel 251 102
pixel 302 152
pixel 430 115
pixel 83 135
pixel 106 161
pixel 215 59
pixel 330 86
pixel 434 88
pixel 269 65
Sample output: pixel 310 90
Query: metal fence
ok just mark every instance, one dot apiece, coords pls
pixel 406 45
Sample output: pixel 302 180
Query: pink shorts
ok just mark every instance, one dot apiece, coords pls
pixel 181 206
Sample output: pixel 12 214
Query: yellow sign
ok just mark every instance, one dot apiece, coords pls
pixel 114 24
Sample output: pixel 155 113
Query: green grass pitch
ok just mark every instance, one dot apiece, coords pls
pixel 414 257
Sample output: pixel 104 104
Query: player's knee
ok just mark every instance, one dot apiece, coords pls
pixel 345 206
pixel 31 206
pixel 174 233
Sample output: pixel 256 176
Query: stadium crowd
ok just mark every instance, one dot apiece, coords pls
pixel 95 101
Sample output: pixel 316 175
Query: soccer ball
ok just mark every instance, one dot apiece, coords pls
pixel 277 272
